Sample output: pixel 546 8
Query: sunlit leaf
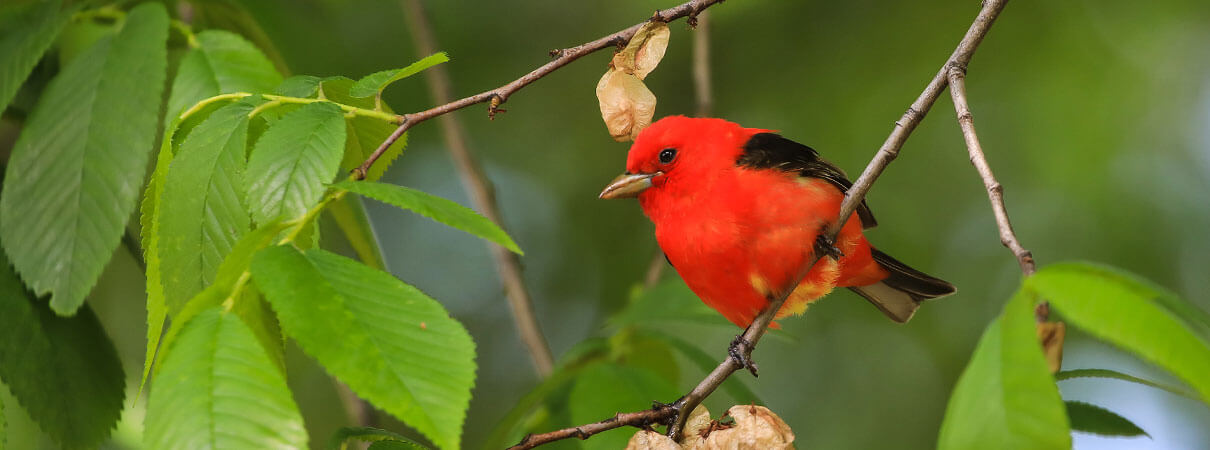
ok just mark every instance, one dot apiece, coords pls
pixel 374 83
pixel 389 342
pixel 64 371
pixel 224 62
pixel 439 209
pixel 365 133
pixel 1006 398
pixel 219 389
pixel 301 86
pixel 202 214
pixel 1097 420
pixel 293 161
pixel 157 309
pixel 24 37
pixel 605 389
pixel 75 171
pixel 1128 314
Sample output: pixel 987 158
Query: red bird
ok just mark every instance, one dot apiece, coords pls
pixel 740 211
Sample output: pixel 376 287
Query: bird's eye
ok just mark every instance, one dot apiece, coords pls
pixel 667 155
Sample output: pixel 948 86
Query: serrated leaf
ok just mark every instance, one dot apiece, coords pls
pixel 224 62
pixel 1097 420
pixel 231 16
pixel 604 389
pixel 1006 398
pixel 24 37
pixel 218 389
pixel 76 168
pixel 294 160
pixel 202 214
pixel 389 342
pixel 64 370
pixel 439 209
pixel 369 434
pixel 157 310
pixel 1128 314
pixel 391 444
pixel 1115 375
pixel 350 216
pixel 365 133
pixel 227 280
pixel 374 83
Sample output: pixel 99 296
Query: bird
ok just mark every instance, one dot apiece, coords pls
pixel 739 212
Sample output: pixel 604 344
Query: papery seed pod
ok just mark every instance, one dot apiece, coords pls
pixel 627 106
pixel 644 51
pixel 650 440
pixel 755 428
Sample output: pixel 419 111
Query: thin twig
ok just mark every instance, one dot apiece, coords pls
pixel 889 150
pixel 639 419
pixel 498 96
pixel 995 192
pixel 705 105
pixel 482 196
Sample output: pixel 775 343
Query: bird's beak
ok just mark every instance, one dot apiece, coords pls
pixel 628 185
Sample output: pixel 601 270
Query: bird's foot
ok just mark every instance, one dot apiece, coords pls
pixel 741 351
pixel 826 246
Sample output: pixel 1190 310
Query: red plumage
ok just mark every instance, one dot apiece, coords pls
pixel 738 210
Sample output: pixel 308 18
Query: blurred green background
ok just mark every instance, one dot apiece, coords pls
pixel 1095 116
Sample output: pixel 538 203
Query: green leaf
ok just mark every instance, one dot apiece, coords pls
pixel 231 16
pixel 389 342
pixel 218 389
pixel 202 214
pixel 433 207
pixel 231 275
pixel 374 83
pixel 396 445
pixel 1128 314
pixel 75 171
pixel 63 370
pixel 666 302
pixel 293 162
pixel 369 434
pixel 157 309
pixel 1115 375
pixel 704 361
pixel 301 86
pixel 223 63
pixel 24 37
pixel 1096 420
pixel 1006 398
pixel 603 390
pixel 365 133
pixel 350 216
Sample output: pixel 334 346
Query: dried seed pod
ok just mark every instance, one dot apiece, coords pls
pixel 650 440
pixel 755 427
pixel 1051 334
pixel 644 51
pixel 697 426
pixel 627 106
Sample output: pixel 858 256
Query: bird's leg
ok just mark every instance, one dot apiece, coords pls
pixel 741 351
pixel 826 246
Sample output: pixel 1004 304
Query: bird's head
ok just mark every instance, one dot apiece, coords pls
pixel 678 148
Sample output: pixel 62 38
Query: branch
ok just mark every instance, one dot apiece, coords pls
pixel 498 96
pixel 482 196
pixel 889 150
pixel 995 192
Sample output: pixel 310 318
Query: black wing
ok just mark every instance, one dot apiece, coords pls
pixel 772 151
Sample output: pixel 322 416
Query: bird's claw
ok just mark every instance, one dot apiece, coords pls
pixel 741 351
pixel 826 246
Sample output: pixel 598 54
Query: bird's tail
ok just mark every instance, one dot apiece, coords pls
pixel 899 294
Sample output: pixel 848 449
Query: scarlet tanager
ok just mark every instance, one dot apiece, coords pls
pixel 740 211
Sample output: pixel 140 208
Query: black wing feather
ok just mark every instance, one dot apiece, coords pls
pixel 772 151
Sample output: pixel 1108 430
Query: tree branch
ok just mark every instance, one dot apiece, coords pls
pixel 482 196
pixel 498 96
pixel 995 192
pixel 889 150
